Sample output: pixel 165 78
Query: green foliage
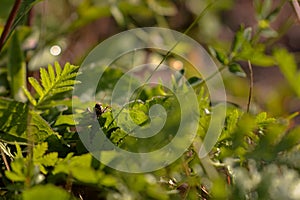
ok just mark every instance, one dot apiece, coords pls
pixel 23 10
pixel 48 191
pixel 53 83
pixel 288 67
pixel 16 69
pixel 42 156
pixel 248 137
pixel 13 117
pixel 18 123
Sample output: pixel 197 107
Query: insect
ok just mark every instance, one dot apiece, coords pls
pixel 99 109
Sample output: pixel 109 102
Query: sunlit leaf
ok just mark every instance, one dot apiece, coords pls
pixel 49 192
pixel 16 173
pixel 13 117
pixel 65 120
pixel 39 129
pixel 53 85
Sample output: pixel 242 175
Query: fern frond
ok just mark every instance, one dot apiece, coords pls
pixel 51 73
pixel 35 84
pixel 45 78
pixel 52 82
pixel 29 96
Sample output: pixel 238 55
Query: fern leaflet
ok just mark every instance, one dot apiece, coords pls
pixel 52 83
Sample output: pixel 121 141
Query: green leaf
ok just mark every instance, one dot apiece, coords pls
pixel 49 159
pixel 286 63
pixel 109 180
pixel 65 120
pixel 236 69
pixel 85 174
pixel 239 39
pixel 68 83
pixel 45 78
pixel 55 103
pixel 194 81
pixel 16 69
pixel 138 117
pixel 13 117
pixel 290 140
pixel 39 129
pixel 263 119
pixel 19 151
pixel 255 54
pixel 117 136
pixel 49 192
pixel 79 167
pixel 16 173
pixel 35 84
pixel 51 73
pixel 132 115
pixel 247 34
pixel 29 96
pixel 12 139
pixel 41 159
pixel 222 58
pixel 57 68
pixel 53 85
pixel 288 67
pixel 39 150
pixel 232 120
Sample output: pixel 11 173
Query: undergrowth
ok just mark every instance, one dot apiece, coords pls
pixel 42 156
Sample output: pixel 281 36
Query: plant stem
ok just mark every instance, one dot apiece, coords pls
pixel 9 23
pixel 251 86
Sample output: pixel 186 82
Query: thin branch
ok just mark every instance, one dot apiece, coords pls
pixel 9 23
pixel 251 86
pixel 297 8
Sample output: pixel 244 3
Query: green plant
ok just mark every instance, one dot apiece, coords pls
pixel 43 157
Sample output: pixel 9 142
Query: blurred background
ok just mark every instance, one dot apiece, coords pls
pixel 67 30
